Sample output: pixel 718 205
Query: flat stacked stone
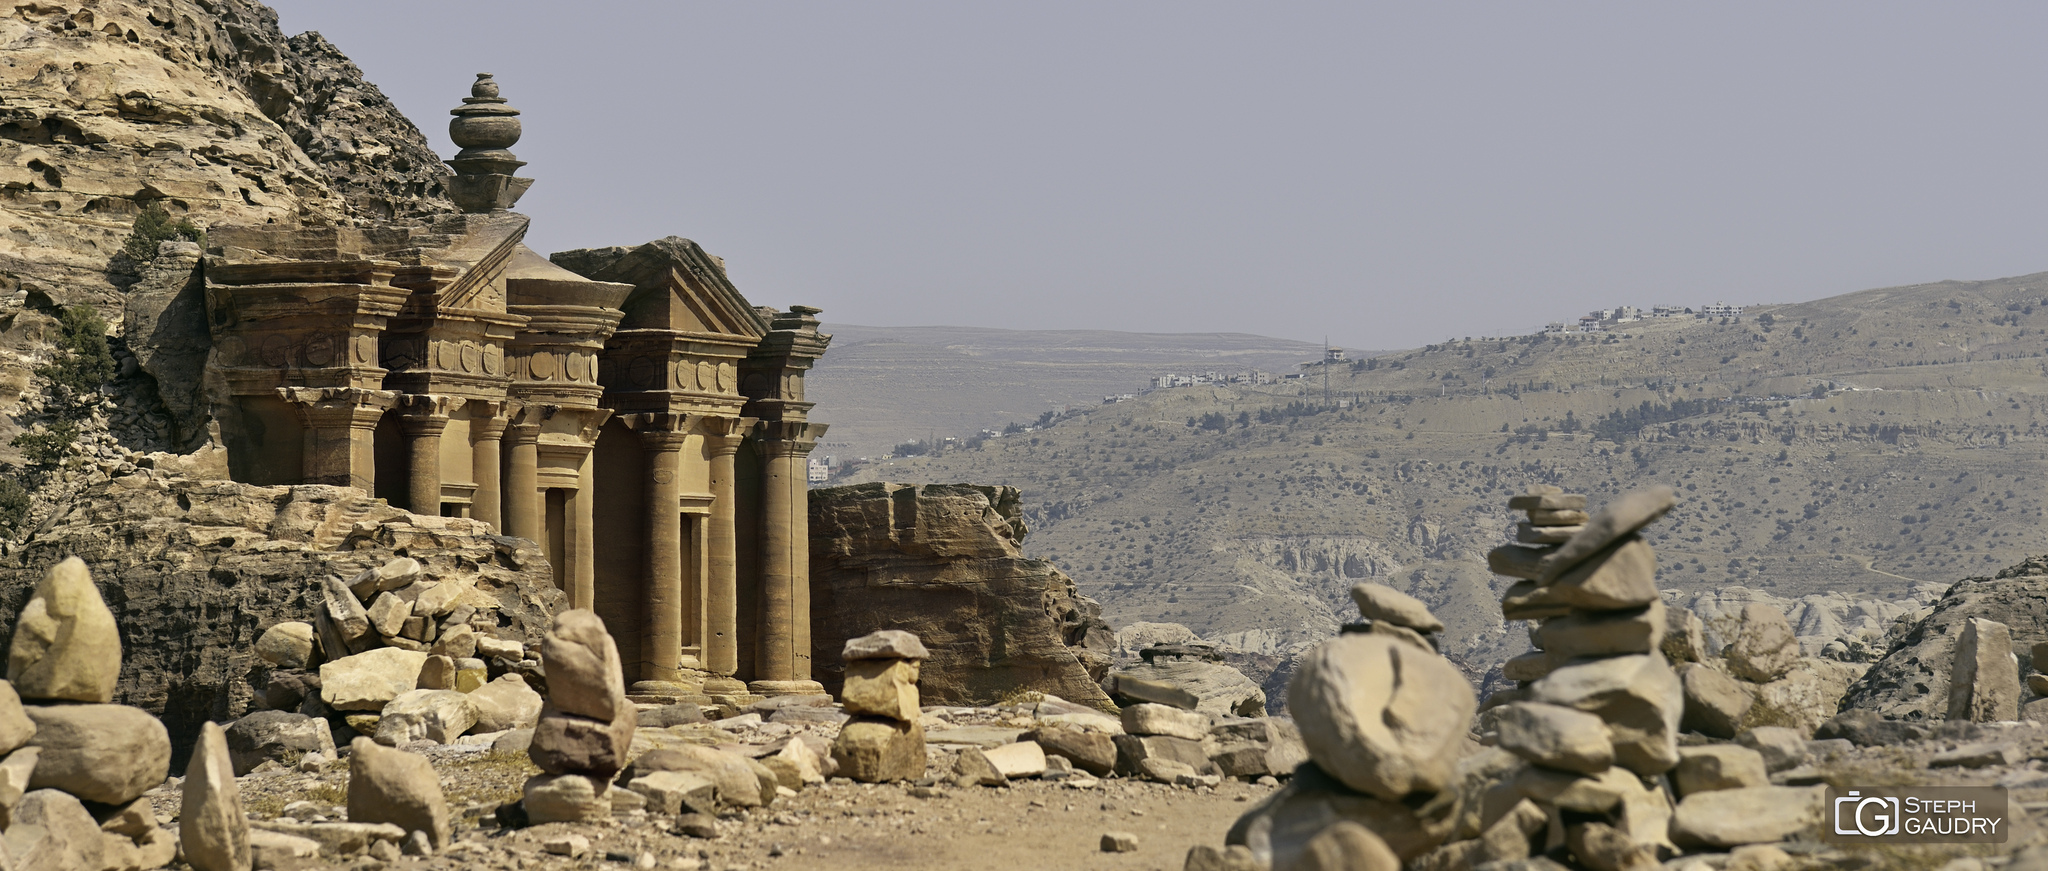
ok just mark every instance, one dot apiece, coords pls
pixel 1597 707
pixel 884 740
pixel 585 732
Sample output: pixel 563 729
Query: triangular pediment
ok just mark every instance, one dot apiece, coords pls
pixel 676 286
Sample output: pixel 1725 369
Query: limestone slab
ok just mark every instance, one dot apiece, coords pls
pixel 368 681
pixel 213 830
pixel 1381 602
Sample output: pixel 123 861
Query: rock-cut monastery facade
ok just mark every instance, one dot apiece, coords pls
pixel 625 407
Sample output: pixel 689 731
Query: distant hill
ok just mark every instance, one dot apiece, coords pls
pixel 1871 444
pixel 880 386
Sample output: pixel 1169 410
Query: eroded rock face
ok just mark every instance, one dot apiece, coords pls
pixel 1911 681
pixel 944 562
pixel 107 105
pixel 195 571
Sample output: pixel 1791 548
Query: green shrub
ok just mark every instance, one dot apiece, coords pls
pixel 154 226
pixel 83 362
pixel 13 505
pixel 47 448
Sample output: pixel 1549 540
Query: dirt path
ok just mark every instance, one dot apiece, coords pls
pixel 1040 826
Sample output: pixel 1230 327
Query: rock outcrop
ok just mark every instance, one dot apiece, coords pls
pixel 195 571
pixel 944 562
pixel 204 109
pixel 1911 681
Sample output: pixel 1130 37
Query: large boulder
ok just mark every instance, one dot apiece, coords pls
pixel 1381 716
pixel 426 715
pixel 396 787
pixel 370 680
pixel 1764 648
pixel 1984 685
pixel 1278 830
pixel 280 736
pixel 506 703
pixel 66 646
pixel 102 753
pixel 959 581
pixel 1218 689
pixel 879 749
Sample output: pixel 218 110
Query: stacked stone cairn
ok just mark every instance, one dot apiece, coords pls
pixel 884 740
pixel 399 656
pixel 585 734
pixel 1385 721
pixel 1594 722
pixel 76 766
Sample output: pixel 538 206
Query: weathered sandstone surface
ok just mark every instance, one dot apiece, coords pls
pixel 201 106
pixel 944 562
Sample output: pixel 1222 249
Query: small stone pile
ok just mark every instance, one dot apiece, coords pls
pixel 884 740
pixel 585 734
pixel 1165 744
pixel 390 630
pixel 75 765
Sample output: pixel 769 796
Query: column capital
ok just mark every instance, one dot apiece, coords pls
pixel 426 414
pixel 661 431
pixel 590 421
pixel 723 435
pixel 788 438
pixel 523 433
pixel 355 406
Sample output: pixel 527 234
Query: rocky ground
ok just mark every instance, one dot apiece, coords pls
pixel 838 824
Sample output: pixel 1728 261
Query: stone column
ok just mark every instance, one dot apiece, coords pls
pixel 579 538
pixel 522 498
pixel 785 558
pixel 662 437
pixel 721 590
pixel 340 444
pixel 424 418
pixel 486 434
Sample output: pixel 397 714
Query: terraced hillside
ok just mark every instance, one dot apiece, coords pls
pixel 880 386
pixel 1878 444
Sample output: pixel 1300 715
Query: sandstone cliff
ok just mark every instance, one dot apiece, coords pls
pixel 194 570
pixel 202 107
pixel 1911 681
pixel 944 561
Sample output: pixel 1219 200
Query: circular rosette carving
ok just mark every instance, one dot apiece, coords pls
pixel 540 366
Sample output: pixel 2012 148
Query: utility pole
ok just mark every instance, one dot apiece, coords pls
pixel 1326 371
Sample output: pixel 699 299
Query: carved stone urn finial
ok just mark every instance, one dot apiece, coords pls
pixel 486 128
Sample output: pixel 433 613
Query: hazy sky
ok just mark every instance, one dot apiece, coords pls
pixel 1388 174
